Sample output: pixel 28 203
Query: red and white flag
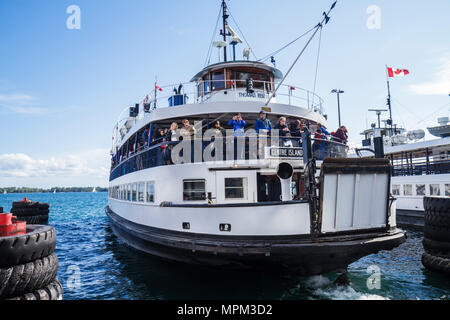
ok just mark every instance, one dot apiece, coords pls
pixel 157 88
pixel 397 72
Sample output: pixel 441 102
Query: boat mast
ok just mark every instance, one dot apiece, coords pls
pixel 224 30
pixel 389 103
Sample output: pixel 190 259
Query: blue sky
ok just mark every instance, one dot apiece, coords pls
pixel 61 90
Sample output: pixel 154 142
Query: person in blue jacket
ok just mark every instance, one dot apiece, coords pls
pixel 263 124
pixel 238 125
pixel 323 130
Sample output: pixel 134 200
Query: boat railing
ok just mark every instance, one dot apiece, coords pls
pixel 420 166
pixel 204 91
pixel 158 153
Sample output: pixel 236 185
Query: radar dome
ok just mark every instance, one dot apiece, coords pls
pixel 416 134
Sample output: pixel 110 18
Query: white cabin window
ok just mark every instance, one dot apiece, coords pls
pixel 435 190
pixel 134 196
pixel 129 192
pixel 150 192
pixel 141 189
pixel 396 190
pixel 194 190
pixel 407 190
pixel 236 188
pixel 420 189
pixel 447 190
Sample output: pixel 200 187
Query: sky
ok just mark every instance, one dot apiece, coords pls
pixel 62 89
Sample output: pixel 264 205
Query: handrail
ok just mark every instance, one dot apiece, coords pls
pixel 294 95
pixel 160 142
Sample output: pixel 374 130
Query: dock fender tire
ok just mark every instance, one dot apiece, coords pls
pixel 441 204
pixel 23 204
pixel 437 218
pixel 25 212
pixel 438 233
pixel 24 278
pixel 34 219
pixel 53 291
pixel 38 242
pixel 436 263
pixel 44 206
pixel 437 248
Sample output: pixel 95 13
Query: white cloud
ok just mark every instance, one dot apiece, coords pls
pixel 441 82
pixel 21 103
pixel 94 163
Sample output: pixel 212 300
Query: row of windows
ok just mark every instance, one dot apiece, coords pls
pixel 135 192
pixel 434 190
pixel 193 190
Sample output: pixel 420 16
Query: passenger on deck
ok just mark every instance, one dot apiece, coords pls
pixel 188 130
pixel 283 128
pixel 284 132
pixel 238 125
pixel 159 135
pixel 341 135
pixel 298 128
pixel 172 133
pixel 218 129
pixel 263 124
pixel 146 136
pixel 319 144
pixel 323 130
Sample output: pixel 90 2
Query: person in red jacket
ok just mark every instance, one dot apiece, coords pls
pixel 341 135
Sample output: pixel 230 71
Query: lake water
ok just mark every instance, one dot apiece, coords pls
pixel 89 252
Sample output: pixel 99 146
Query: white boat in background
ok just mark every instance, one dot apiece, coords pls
pixel 94 190
pixel 419 168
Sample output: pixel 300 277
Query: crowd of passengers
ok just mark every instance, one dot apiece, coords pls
pixel 294 129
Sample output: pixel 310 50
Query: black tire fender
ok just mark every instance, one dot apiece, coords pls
pixel 38 242
pixel 28 277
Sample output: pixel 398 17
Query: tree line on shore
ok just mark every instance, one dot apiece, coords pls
pixel 51 190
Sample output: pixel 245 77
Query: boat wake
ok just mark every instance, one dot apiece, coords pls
pixel 323 288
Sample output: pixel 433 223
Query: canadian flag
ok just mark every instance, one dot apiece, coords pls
pixel 397 72
pixel 157 88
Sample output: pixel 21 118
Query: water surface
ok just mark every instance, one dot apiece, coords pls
pixel 110 270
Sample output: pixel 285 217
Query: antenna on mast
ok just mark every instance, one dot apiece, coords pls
pixel 224 32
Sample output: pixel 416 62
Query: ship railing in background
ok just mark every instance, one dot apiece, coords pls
pixel 420 166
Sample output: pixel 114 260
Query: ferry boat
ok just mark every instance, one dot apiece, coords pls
pixel 419 168
pixel 217 192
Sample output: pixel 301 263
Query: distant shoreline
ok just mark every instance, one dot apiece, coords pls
pixel 14 190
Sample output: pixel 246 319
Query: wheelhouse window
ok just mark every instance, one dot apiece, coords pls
pixel 236 188
pixel 141 188
pixel 396 190
pixel 260 80
pixel 447 190
pixel 150 192
pixel 194 190
pixel 435 190
pixel 420 189
pixel 218 80
pixel 407 190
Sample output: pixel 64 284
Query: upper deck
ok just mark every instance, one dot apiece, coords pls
pixel 237 86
